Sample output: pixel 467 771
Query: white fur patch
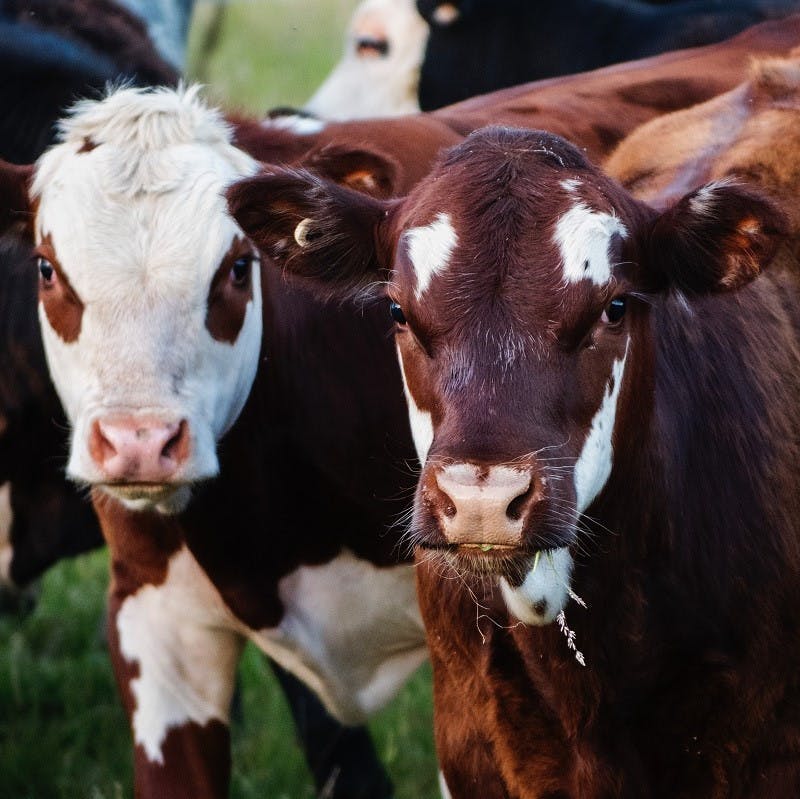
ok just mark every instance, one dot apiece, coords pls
pixel 429 249
pixel 6 548
pixel 593 467
pixel 420 421
pixel 296 123
pixel 443 789
pixel 351 631
pixel 545 590
pixel 140 226
pixel 382 85
pixel 182 638
pixel 583 236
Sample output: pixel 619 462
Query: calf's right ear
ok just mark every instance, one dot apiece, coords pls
pixel 15 206
pixel 331 237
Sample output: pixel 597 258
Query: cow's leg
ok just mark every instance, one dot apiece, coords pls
pixel 342 759
pixel 175 658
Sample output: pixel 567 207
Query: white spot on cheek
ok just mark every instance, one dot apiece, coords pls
pixel 429 249
pixel 593 467
pixel 175 633
pixel 6 520
pixel 583 237
pixel 544 591
pixel 420 421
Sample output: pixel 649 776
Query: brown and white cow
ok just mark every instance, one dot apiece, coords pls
pixel 247 582
pixel 155 333
pixel 605 400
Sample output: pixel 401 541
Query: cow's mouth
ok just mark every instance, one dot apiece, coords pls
pixel 164 497
pixel 503 560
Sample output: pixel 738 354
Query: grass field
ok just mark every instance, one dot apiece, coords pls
pixel 62 731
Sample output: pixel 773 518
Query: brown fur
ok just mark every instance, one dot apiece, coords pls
pixel 688 559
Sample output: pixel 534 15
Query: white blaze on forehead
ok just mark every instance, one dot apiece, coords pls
pixel 180 635
pixel 429 249
pixel 593 467
pixel 544 591
pixel 420 421
pixel 583 237
pixel 6 520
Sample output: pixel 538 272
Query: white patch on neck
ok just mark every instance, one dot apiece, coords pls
pixel 443 789
pixel 593 467
pixel 296 123
pixel 182 638
pixel 583 236
pixel 570 185
pixel 420 421
pixel 429 249
pixel 351 631
pixel 544 591
pixel 6 548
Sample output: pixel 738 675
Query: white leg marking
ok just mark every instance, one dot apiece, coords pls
pixel 429 249
pixel 351 631
pixel 443 789
pixel 420 421
pixel 545 590
pixel 583 236
pixel 6 548
pixel 180 635
pixel 593 467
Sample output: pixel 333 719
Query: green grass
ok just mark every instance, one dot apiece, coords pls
pixel 63 734
pixel 271 52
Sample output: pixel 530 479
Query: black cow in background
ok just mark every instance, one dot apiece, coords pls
pixel 51 53
pixel 477 46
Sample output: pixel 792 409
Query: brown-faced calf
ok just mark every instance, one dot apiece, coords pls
pixel 604 397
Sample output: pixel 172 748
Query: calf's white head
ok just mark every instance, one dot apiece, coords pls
pixel 149 296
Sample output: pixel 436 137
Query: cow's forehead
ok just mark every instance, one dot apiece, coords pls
pixel 561 243
pixel 134 193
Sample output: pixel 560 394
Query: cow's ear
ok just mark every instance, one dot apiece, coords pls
pixel 15 206
pixel 357 168
pixel 716 238
pixel 330 236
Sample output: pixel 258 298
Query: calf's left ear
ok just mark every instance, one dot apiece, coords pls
pixel 15 206
pixel 324 233
pixel 717 238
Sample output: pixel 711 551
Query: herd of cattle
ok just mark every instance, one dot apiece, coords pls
pixel 511 384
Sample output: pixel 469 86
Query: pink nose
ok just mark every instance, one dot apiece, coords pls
pixel 139 449
pixel 488 505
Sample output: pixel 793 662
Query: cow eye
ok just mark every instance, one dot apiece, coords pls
pixel 397 313
pixel 614 311
pixel 46 270
pixel 240 270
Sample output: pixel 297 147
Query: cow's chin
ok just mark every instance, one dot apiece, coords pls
pixel 165 498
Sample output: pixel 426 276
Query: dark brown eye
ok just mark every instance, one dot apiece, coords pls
pixel 614 311
pixel 240 271
pixel 46 271
pixel 397 313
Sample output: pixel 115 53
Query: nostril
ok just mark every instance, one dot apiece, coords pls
pixel 101 448
pixel 177 447
pixel 449 509
pixel 517 505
